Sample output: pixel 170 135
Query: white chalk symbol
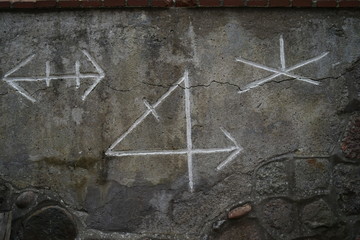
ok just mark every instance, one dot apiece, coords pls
pixel 189 150
pixel 13 81
pixel 282 71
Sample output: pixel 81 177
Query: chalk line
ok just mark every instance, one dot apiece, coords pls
pixel 188 131
pixel 283 70
pixel 145 114
pixel 282 53
pixel 12 81
pixel 154 113
pixel 21 64
pixel 238 149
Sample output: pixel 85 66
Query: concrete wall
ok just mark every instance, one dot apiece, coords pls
pixel 180 124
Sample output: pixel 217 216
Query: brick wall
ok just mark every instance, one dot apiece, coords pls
pixel 30 4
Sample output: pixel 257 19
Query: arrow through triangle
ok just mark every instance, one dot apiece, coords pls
pixel 234 150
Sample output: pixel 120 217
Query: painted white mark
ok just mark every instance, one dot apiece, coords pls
pixel 238 149
pixel 77 74
pixel 189 151
pixel 282 71
pixel 21 64
pixel 282 53
pixel 143 116
pixel 195 57
pixel 47 72
pixel 188 131
pixel 13 81
pixel 151 108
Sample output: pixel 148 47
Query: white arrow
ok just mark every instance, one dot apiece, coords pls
pixel 189 151
pixel 13 81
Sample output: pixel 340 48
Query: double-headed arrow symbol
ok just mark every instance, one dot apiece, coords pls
pixel 77 76
pixel 189 151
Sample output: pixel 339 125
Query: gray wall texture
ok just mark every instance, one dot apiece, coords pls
pixel 180 124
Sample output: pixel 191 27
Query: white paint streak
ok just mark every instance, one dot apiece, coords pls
pixel 98 79
pixel 77 74
pixel 237 150
pixel 188 131
pixel 170 152
pixel 47 73
pixel 195 57
pixel 283 71
pixel 21 91
pixel 12 81
pixel 282 53
pixel 21 64
pixel 154 113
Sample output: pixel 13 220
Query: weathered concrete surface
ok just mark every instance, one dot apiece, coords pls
pixel 58 137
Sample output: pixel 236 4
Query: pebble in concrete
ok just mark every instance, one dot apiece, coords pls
pixel 239 211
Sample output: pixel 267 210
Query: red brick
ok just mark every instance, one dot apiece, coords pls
pixel 162 3
pixel 209 3
pixel 326 3
pixel 349 4
pixel 5 4
pixel 233 3
pixel 114 3
pixel 257 3
pixel 185 3
pixel 302 3
pixel 23 5
pixel 279 3
pixel 91 3
pixel 68 3
pixel 137 3
pixel 45 4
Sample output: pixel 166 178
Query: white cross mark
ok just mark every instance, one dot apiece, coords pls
pixel 282 71
pixel 189 151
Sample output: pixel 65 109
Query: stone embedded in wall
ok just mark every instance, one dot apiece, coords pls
pixel 5 197
pixel 5 225
pixel 239 211
pixel 317 214
pixel 25 199
pixel 347 188
pixel 117 208
pixel 279 218
pixel 351 141
pixel 244 229
pixel 312 177
pixel 50 222
pixel 272 179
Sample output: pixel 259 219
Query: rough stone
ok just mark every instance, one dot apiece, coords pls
pixel 318 214
pixel 5 198
pixel 351 142
pixel 312 177
pixel 121 209
pixel 51 222
pixel 278 215
pixel 25 199
pixel 272 179
pixel 5 225
pixel 347 187
pixel 240 230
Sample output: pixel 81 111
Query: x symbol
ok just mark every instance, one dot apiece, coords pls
pixel 278 72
